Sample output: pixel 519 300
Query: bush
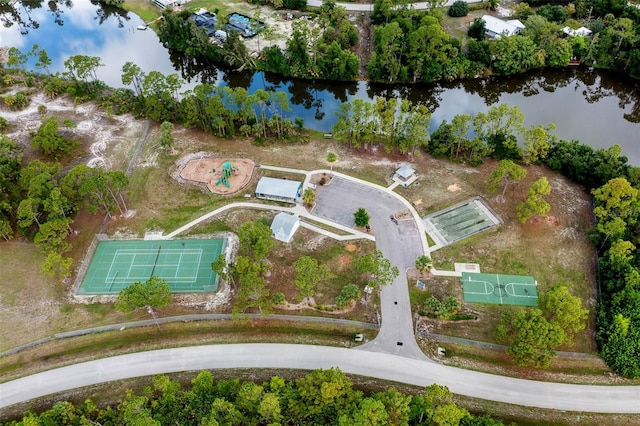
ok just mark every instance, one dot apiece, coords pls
pixel 458 9
pixel 278 298
pixel 350 292
pixel 17 102
pixel 462 317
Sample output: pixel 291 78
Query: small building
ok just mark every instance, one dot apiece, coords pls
pixel 284 226
pixel 405 173
pixel 284 190
pixel 496 28
pixel 582 32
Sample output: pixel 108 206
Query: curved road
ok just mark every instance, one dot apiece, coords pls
pixel 384 357
pixel 603 399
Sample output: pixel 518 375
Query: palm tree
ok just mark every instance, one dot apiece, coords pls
pixel 308 197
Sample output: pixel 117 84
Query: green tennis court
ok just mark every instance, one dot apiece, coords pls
pixel 185 264
pixel 499 289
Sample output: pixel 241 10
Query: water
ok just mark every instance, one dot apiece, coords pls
pixel 594 107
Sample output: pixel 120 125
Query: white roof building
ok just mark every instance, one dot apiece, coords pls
pixel 284 226
pixel 278 189
pixel 496 28
pixel 582 31
pixel 405 172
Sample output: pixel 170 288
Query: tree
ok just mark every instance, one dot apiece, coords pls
pixel 563 310
pixel 223 269
pixel 166 135
pixel 424 263
pixel 378 268
pixel 308 274
pixel 535 205
pixel 530 338
pixel 255 239
pixel 49 142
pixel 44 61
pixel 331 157
pixel 458 8
pixel 616 198
pixel 507 172
pixel 361 217
pixel 153 293
pixel 538 141
pixel 477 29
pixel 253 291
pixel 309 197
pixel 515 55
pixel 56 265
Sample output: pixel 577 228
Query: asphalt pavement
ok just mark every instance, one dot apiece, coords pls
pixel 399 242
pixel 559 396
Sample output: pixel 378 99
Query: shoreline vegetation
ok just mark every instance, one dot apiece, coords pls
pixel 404 45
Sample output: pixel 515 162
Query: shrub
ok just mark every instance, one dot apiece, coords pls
pixel 459 8
pixel 350 292
pixel 16 102
pixel 462 317
pixel 278 298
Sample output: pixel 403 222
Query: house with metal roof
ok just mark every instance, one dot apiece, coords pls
pixel 496 28
pixel 283 227
pixel 273 189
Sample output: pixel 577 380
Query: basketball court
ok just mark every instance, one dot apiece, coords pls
pixel 185 264
pixel 460 221
pixel 499 289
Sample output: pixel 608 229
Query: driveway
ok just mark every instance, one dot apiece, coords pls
pixel 400 243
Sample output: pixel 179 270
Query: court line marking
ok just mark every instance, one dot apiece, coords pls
pixel 129 278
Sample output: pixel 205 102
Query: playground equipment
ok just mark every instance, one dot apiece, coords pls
pixel 226 172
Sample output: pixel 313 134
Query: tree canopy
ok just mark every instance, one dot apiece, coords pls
pixel 153 293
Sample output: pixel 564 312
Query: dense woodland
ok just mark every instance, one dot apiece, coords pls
pixel 322 397
pixel 412 45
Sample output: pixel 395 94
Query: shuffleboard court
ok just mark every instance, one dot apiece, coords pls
pixel 460 221
pixel 499 289
pixel 185 264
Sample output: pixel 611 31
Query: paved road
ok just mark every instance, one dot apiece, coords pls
pixel 399 243
pixel 604 399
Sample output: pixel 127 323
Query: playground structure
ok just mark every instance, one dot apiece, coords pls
pixel 221 176
pixel 227 169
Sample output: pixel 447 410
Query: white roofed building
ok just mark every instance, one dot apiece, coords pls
pixel 273 189
pixel 496 28
pixel 405 172
pixel 284 226
pixel 582 32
